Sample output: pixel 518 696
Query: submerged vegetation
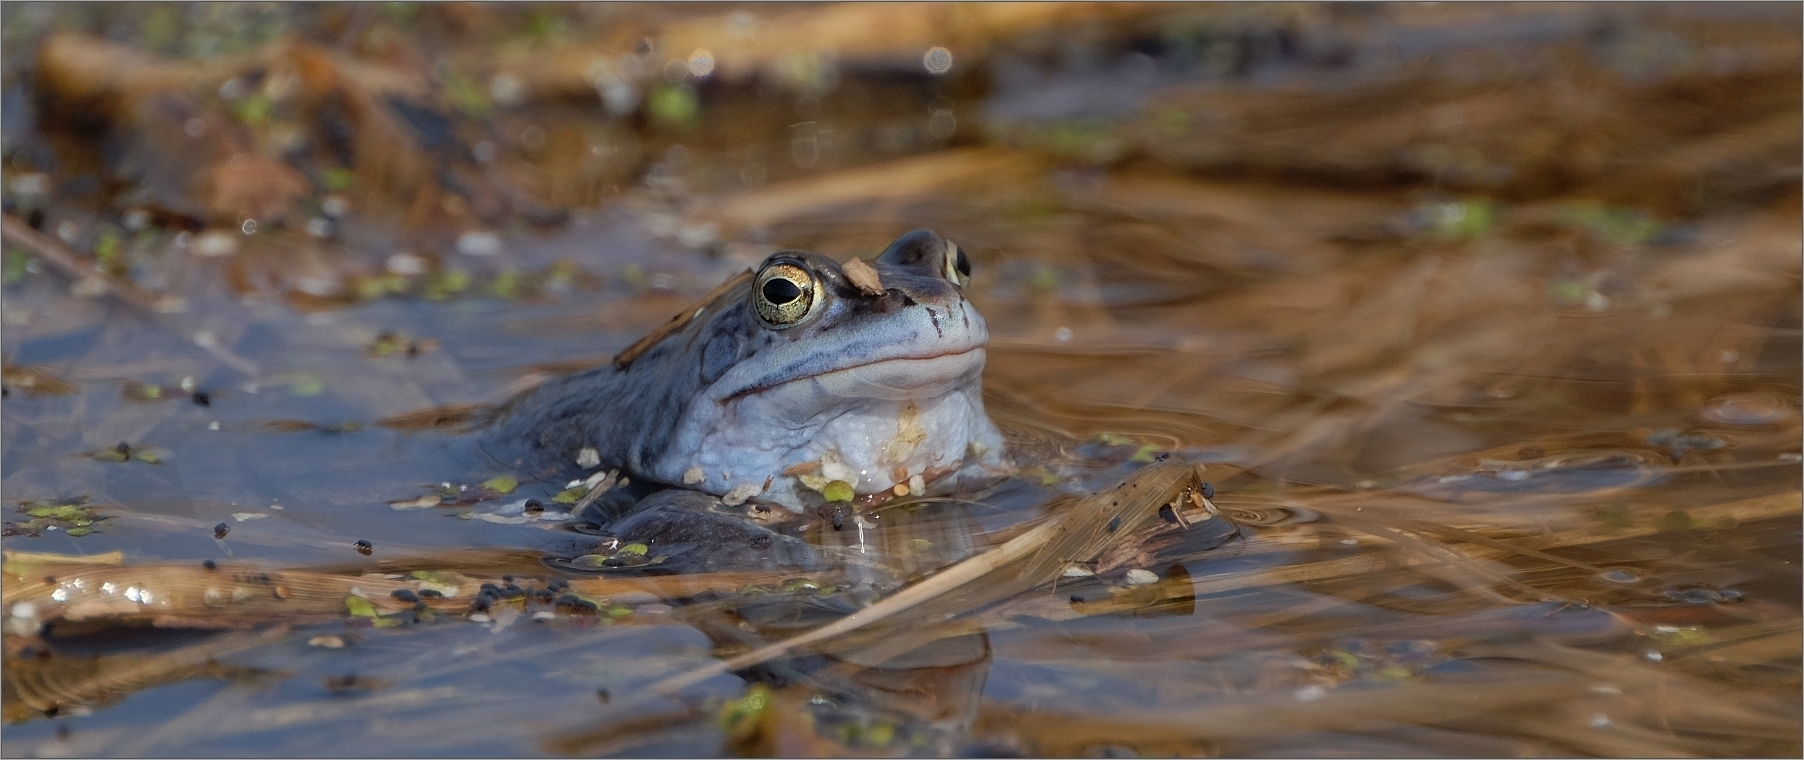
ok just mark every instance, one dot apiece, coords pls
pixel 1383 379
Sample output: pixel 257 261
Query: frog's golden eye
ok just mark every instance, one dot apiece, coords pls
pixel 783 294
pixel 958 266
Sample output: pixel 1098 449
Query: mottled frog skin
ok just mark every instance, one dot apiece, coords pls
pixel 795 376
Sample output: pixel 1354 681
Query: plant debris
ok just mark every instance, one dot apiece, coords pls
pixel 73 517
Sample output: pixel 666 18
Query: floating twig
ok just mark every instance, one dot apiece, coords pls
pixel 51 251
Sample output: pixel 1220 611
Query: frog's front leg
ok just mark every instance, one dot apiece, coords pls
pixel 696 533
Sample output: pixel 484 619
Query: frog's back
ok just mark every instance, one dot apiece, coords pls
pixel 625 412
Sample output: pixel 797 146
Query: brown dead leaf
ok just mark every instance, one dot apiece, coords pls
pixel 35 381
pixel 448 416
pixel 249 186
pixel 862 34
pixel 862 276
pixel 891 181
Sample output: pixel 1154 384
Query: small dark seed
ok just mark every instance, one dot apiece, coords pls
pixel 364 548
pixel 202 398
pixel 209 564
pixel 534 506
pixel 572 600
pixel 1208 491
pixel 124 449
pixel 62 732
pixel 428 593
pixel 613 562
pixel 404 595
pixel 50 579
pixel 220 530
pixel 603 695
pixel 1115 524
pixel 1076 599
pixel 508 579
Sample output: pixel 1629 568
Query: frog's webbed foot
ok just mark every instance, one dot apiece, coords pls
pixel 696 533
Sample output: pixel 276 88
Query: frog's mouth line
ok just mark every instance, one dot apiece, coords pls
pixel 934 369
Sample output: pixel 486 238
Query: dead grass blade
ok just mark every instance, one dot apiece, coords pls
pixel 1467 554
pixel 150 305
pixel 44 685
pixel 1065 734
pixel 1684 702
pixel 1076 535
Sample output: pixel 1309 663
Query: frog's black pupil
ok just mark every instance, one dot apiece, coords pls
pixel 963 264
pixel 780 291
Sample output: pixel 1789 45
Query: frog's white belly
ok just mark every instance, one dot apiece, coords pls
pixel 873 427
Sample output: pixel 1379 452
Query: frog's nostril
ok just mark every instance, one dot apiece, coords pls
pixel 891 300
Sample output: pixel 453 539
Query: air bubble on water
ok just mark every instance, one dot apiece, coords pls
pixel 938 60
pixel 942 123
pixel 506 89
pixel 701 63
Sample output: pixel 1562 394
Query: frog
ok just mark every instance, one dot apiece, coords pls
pixel 796 383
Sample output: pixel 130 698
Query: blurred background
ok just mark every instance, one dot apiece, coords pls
pixel 1519 263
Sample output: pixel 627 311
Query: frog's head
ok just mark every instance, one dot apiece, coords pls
pixel 811 372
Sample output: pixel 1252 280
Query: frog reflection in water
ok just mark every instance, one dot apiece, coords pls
pixel 800 382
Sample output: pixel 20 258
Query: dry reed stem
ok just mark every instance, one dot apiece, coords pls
pixel 189 595
pixel 44 688
pixel 1072 536
pixel 1066 734
pixel 1487 550
pixel 148 304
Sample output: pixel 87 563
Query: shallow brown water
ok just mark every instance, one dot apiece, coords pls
pixel 1481 320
